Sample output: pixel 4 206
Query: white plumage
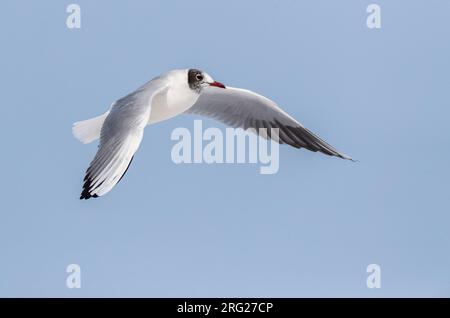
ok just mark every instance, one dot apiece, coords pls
pixel 121 128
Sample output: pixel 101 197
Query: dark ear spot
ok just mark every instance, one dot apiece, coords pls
pixel 194 78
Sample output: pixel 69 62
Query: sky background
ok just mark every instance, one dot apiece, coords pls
pixel 223 230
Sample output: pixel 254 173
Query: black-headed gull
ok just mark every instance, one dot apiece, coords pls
pixel 121 128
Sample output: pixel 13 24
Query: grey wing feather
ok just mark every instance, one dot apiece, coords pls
pixel 245 109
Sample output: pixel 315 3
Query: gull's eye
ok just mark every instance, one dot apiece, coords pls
pixel 199 77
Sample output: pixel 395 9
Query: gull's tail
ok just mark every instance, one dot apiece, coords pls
pixel 89 130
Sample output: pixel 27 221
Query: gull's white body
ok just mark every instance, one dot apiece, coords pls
pixel 173 100
pixel 121 128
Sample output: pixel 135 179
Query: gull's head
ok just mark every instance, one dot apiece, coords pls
pixel 198 80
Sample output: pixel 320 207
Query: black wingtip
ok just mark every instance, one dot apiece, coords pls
pixel 87 186
pixel 86 194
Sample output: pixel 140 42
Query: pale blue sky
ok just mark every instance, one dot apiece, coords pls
pixel 381 96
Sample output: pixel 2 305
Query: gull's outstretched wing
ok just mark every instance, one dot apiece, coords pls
pixel 245 109
pixel 120 137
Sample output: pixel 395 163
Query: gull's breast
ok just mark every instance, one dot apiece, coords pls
pixel 173 102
